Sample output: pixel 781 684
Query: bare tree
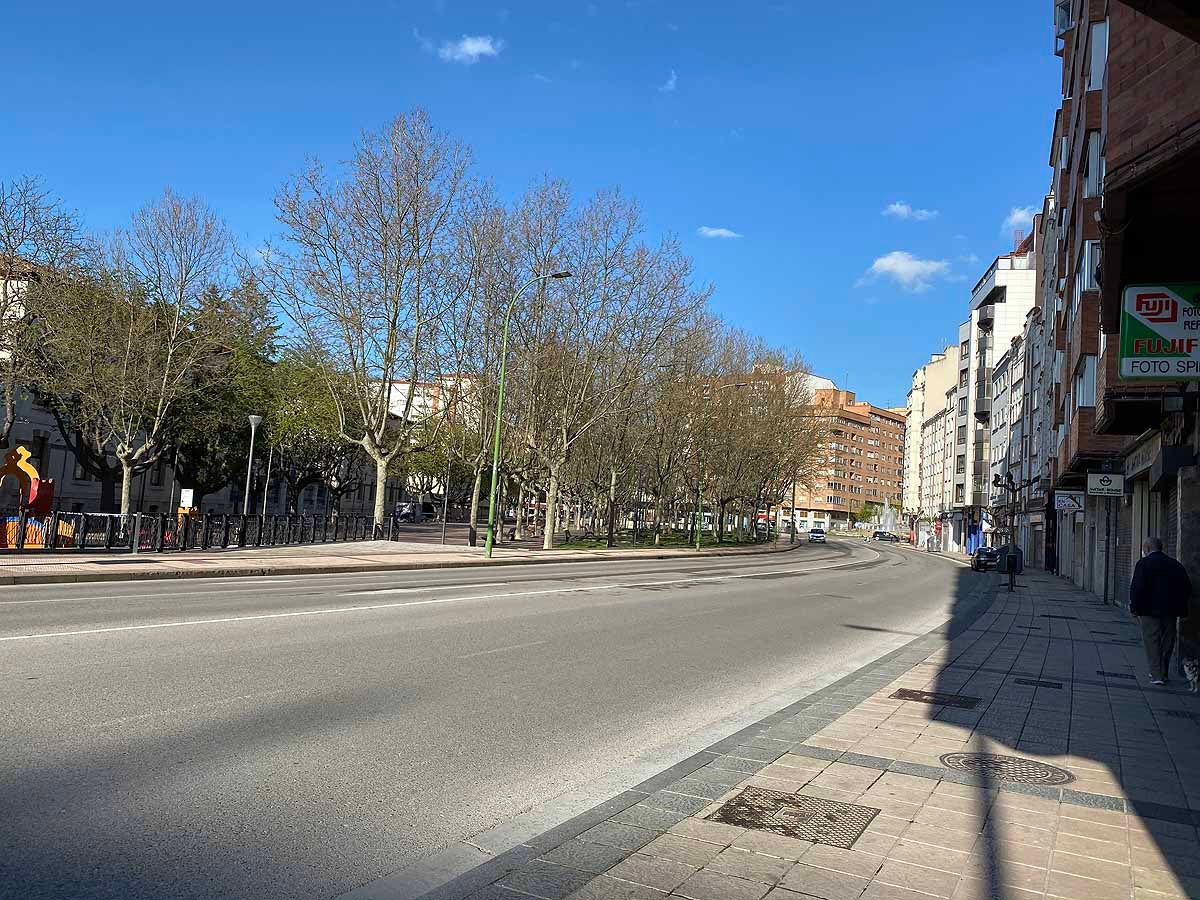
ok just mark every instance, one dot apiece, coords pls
pixel 125 341
pixel 40 242
pixel 363 273
pixel 588 339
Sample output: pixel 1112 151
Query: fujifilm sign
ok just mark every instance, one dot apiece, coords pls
pixel 1160 332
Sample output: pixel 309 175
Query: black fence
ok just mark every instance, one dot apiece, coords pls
pixel 160 532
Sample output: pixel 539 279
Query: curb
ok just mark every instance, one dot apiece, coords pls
pixel 263 571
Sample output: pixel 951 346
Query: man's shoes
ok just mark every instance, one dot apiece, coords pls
pixel 1157 681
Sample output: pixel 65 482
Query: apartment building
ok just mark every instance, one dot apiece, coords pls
pixel 1125 159
pixel 863 461
pixel 926 399
pixel 1000 301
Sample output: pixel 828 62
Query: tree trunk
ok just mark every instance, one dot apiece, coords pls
pixel 551 510
pixel 721 522
pixel 126 486
pixel 519 528
pixel 473 517
pixel 659 512
pixel 381 467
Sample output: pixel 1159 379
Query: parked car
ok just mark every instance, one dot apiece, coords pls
pixel 816 535
pixel 885 536
pixel 985 558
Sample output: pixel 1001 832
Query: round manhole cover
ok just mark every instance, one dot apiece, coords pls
pixel 1013 769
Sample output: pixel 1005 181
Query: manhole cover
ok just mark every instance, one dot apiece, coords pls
pixel 1012 769
pixel 959 701
pixel 795 816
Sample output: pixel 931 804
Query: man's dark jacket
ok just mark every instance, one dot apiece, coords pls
pixel 1160 587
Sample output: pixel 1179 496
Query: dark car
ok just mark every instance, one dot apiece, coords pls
pixel 885 536
pixel 985 558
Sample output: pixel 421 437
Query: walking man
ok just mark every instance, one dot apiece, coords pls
pixel 1159 596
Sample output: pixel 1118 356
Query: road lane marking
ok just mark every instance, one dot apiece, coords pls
pixel 123 720
pixel 502 649
pixel 428 587
pixel 378 606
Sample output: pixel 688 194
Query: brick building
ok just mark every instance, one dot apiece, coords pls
pixel 1123 211
pixel 863 458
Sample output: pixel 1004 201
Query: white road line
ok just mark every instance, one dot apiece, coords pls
pixel 502 649
pixel 183 709
pixel 377 606
pixel 439 587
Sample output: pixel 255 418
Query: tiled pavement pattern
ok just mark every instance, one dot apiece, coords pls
pixel 1125 828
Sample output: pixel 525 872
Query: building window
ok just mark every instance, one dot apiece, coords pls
pixel 1099 55
pixel 962 434
pixel 39 447
pixel 1091 178
pixel 1091 261
pixel 962 378
pixel 960 493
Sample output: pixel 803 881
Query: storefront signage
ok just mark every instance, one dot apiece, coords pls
pixel 1142 457
pixel 1105 484
pixel 1160 332
pixel 1068 501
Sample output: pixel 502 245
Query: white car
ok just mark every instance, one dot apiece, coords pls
pixel 816 535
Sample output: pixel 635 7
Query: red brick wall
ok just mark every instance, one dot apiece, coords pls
pixel 1153 85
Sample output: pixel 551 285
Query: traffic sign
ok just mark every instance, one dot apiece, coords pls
pixel 1105 484
pixel 1068 501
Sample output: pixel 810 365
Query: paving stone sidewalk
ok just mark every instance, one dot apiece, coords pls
pixel 1057 678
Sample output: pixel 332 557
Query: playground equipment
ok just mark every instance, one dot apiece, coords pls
pixel 35 497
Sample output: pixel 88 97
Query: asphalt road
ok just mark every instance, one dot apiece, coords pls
pixel 299 736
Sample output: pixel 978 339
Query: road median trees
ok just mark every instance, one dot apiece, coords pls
pixel 362 274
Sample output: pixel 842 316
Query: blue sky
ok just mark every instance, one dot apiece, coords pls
pixel 792 125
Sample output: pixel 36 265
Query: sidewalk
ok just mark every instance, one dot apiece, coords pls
pixel 857 793
pixel 311 559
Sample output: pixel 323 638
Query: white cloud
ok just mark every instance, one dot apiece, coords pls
pixel 706 232
pixel 901 210
pixel 1019 217
pixel 908 271
pixel 425 43
pixel 469 49
pixel 668 86
pixel 538 76
pixel 969 259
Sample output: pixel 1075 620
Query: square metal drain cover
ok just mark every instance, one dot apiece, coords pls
pixel 795 816
pixel 1037 682
pixel 958 701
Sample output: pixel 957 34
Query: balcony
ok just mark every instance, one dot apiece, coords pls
pixel 987 317
pixel 1062 24
pixel 983 409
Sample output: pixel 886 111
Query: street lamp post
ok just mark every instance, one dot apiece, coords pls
pixel 255 421
pixel 700 477
pixel 492 491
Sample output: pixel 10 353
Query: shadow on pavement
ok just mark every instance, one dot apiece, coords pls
pixel 1059 679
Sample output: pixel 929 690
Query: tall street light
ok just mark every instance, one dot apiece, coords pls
pixel 493 492
pixel 255 421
